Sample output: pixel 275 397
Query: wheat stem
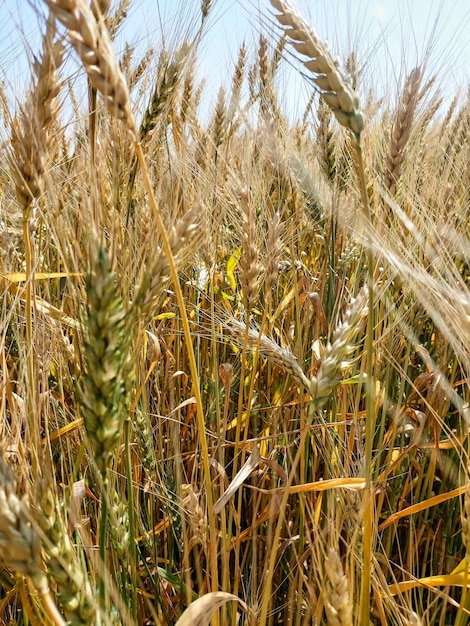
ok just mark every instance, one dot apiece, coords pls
pixel 191 357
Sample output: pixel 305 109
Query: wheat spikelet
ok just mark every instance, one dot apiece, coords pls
pixel 325 142
pixel 63 566
pixel 103 387
pixel 401 128
pixel 267 348
pixel 92 42
pixel 274 246
pixel 237 82
pixel 169 77
pixel 31 131
pixel 337 353
pixel 218 123
pixel 119 15
pixel 206 6
pixel 338 604
pixel 333 86
pixel 20 543
pixel 157 275
pixel 250 266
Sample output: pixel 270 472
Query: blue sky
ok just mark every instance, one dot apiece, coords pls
pixel 391 37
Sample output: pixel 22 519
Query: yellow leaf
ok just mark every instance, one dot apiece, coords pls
pixel 231 266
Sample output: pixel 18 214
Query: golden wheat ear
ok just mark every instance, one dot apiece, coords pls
pixel 92 42
pixel 332 84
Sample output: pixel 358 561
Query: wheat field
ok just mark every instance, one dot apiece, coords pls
pixel 235 342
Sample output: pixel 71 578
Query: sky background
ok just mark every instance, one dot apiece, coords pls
pixel 390 36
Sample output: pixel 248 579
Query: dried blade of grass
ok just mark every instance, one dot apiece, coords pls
pixel 248 467
pixel 333 86
pixel 201 611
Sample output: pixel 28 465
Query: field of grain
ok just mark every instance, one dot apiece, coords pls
pixel 235 346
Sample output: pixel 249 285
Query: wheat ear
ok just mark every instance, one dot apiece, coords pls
pixel 338 604
pixel 337 353
pixel 250 267
pixel 326 74
pixel 158 273
pixel 30 142
pixel 31 130
pixel 102 393
pixel 269 349
pixel 401 128
pixel 169 76
pixel 92 42
pixel 20 541
pixel 74 590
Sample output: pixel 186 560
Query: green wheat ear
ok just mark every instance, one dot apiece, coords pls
pixel 103 389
